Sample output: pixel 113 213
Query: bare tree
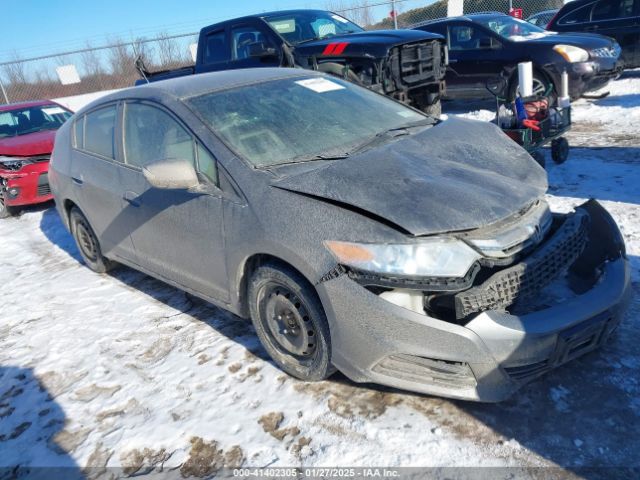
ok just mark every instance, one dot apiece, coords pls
pixel 358 11
pixel 169 52
pixel 16 71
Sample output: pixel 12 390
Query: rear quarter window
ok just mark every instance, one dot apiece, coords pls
pixel 78 133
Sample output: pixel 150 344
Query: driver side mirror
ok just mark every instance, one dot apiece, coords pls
pixel 171 174
pixel 259 50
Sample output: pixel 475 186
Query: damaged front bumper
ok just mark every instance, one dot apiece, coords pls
pixel 493 351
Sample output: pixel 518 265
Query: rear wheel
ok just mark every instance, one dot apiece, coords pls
pixel 435 109
pixel 6 211
pixel 290 322
pixel 88 243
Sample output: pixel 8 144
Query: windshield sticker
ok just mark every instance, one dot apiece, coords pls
pixel 53 110
pixel 319 85
pixel 284 26
pixel 339 18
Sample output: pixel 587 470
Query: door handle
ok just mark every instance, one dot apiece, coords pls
pixel 77 181
pixel 132 198
pixel 453 60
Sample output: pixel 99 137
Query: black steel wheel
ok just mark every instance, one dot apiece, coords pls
pixel 290 322
pixel 560 150
pixel 88 243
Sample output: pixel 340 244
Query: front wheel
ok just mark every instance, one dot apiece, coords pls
pixel 6 211
pixel 290 322
pixel 434 110
pixel 560 150
pixel 88 243
pixel 540 87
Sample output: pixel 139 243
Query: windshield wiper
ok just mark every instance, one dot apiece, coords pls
pixel 385 135
pixel 312 158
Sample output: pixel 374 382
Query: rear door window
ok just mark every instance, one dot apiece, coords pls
pixel 99 131
pixel 612 10
pixel 217 48
pixel 577 16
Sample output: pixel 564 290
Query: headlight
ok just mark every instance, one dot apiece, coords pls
pixel 13 163
pixel 435 257
pixel 572 54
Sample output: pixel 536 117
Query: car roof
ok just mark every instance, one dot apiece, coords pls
pixel 20 105
pixel 545 12
pixel 194 85
pixel 268 14
pixel 464 18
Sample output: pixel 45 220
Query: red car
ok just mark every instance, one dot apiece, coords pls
pixel 27 132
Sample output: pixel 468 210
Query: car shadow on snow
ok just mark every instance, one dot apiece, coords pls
pixel 32 441
pixel 628 100
pixel 604 173
pixel 224 322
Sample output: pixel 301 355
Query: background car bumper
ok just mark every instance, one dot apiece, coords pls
pixel 31 184
pixel 594 75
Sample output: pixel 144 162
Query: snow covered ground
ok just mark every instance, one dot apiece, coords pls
pixel 124 371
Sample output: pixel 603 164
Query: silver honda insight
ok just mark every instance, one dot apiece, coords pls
pixel 355 232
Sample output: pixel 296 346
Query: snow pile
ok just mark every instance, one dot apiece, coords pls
pixel 123 370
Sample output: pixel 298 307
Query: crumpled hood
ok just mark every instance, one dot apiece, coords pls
pixel 37 143
pixel 458 175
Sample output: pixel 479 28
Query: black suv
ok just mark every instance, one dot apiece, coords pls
pixel 483 46
pixel 619 19
pixel 403 64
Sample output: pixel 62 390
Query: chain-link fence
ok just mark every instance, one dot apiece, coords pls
pixel 93 69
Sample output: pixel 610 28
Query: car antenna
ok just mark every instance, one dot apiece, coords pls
pixel 142 68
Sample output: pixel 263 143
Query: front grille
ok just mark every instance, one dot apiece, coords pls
pixel 526 372
pixel 606 52
pixel 418 62
pixel 427 371
pixel 528 277
pixel 43 185
pixel 572 343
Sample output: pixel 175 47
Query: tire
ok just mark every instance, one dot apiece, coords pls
pixel 560 150
pixel 290 322
pixel 88 243
pixel 539 157
pixel 434 110
pixel 5 211
pixel 539 81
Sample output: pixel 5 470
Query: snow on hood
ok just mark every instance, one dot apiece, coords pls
pixel 458 175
